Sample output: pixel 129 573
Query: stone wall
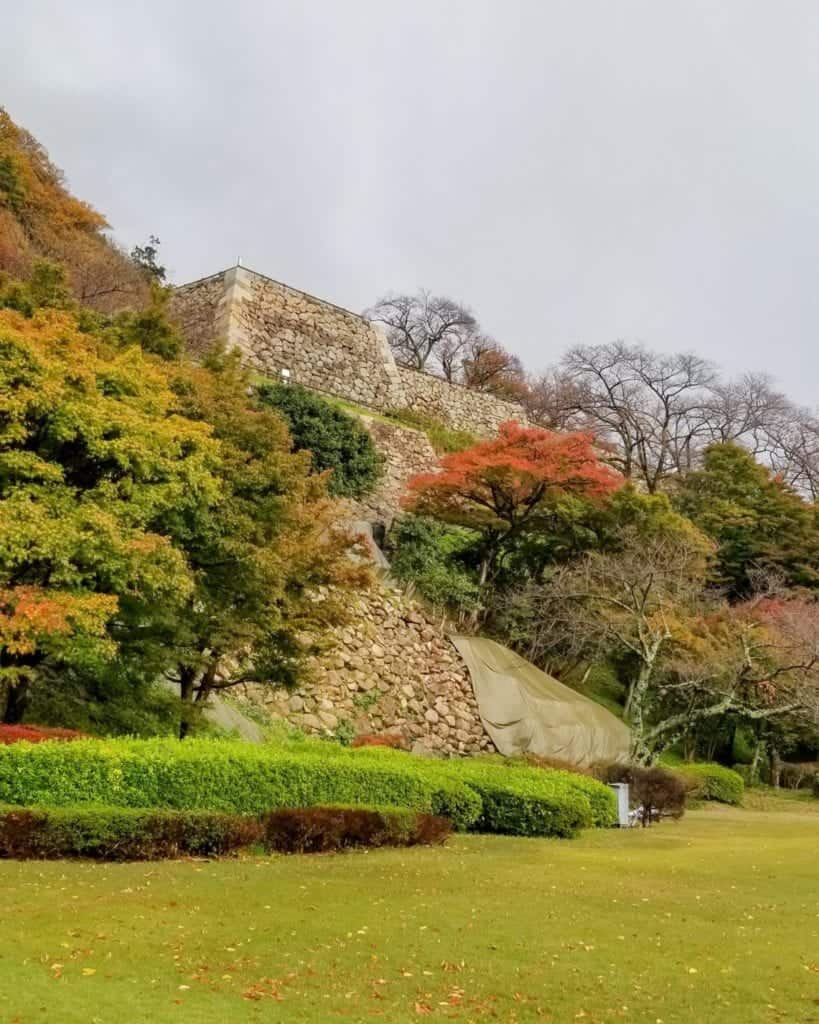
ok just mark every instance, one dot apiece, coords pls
pixel 277 328
pixel 458 407
pixel 390 670
pixel 324 347
pixel 202 310
pixel 406 453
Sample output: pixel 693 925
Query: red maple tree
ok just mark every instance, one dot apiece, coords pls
pixel 501 487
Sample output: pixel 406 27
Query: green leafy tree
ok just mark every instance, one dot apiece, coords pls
pixel 146 258
pixel 757 521
pixel 151 328
pixel 336 441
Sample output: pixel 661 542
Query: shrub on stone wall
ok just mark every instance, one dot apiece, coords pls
pixel 337 441
pixel 435 558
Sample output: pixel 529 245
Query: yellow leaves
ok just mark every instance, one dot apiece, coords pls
pixel 87 972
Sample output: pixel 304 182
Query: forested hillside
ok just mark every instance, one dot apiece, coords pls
pixel 40 219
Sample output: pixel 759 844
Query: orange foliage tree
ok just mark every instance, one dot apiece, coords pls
pixel 507 486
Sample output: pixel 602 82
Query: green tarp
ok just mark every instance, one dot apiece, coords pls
pixel 525 710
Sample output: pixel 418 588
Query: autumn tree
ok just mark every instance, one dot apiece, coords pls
pixel 687 657
pixel 753 665
pixel 94 460
pixel 487 366
pixel 41 219
pixel 503 488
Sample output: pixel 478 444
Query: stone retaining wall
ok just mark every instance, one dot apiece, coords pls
pixel 202 310
pixel 456 406
pixel 406 453
pixel 390 670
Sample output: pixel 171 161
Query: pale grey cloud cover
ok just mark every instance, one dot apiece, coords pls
pixel 576 171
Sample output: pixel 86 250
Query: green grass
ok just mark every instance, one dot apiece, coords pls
pixel 712 919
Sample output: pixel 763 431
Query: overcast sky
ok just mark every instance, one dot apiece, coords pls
pixel 575 171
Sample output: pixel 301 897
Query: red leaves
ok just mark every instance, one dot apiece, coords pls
pixel 36 734
pixel 379 739
pixel 504 480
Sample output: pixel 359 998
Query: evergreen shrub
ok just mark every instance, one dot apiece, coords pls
pixel 239 778
pixel 336 440
pixel 709 781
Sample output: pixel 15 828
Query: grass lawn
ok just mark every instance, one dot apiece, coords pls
pixel 712 919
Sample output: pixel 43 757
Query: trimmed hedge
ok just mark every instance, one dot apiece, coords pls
pixel 709 781
pixel 519 800
pixel 122 833
pixel 484 794
pixel 220 776
pixel 134 833
pixel 324 829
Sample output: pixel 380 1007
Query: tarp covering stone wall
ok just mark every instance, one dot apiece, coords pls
pixel 525 710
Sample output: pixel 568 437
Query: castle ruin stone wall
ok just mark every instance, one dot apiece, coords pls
pixel 323 347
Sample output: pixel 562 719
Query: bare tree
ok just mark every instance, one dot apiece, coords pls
pixel 425 331
pixel 650 408
pixel 553 401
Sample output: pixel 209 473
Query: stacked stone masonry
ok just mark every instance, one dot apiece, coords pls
pixel 458 407
pixel 406 453
pixel 391 670
pixel 323 347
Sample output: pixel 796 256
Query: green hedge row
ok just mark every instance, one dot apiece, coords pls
pixel 234 777
pixel 240 778
pixel 709 781
pixel 521 800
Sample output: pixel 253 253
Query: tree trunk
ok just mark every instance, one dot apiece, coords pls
pixel 187 691
pixel 754 772
pixel 17 696
pixel 776 768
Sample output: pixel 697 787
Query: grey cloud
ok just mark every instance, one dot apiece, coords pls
pixel 575 171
